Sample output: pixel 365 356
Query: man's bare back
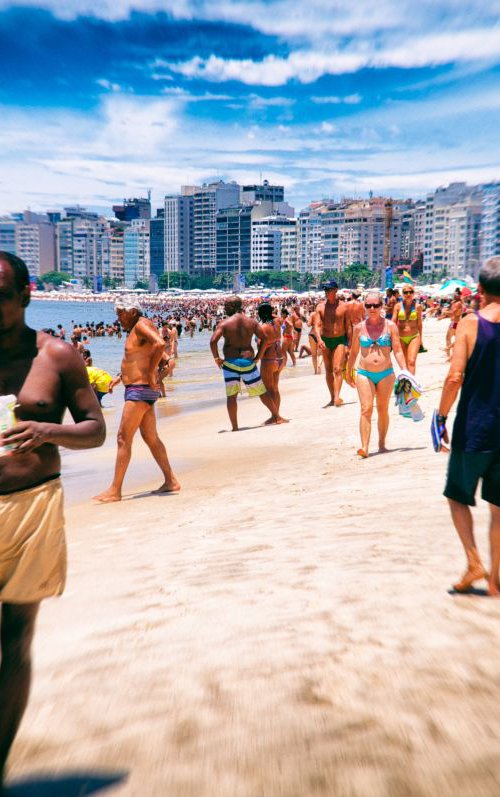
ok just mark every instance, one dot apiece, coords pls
pixel 238 331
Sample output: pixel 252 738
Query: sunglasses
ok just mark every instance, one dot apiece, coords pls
pixel 408 293
pixel 372 306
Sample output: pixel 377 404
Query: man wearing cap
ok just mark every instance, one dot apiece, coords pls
pixel 139 373
pixel 333 330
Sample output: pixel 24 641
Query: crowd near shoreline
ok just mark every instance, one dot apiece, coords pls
pixel 369 340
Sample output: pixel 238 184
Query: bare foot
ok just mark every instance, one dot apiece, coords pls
pixel 269 421
pixel 382 449
pixel 279 419
pixel 235 429
pixel 338 402
pixel 108 496
pixel 172 486
pixel 471 574
pixel 330 404
pixel 362 453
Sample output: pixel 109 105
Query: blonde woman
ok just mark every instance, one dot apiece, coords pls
pixel 373 340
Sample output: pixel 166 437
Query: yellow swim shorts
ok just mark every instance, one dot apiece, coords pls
pixel 32 544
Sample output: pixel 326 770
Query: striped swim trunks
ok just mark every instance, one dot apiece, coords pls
pixel 141 393
pixel 238 370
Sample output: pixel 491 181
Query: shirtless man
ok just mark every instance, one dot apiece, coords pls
pixel 356 309
pixel 238 363
pixel 333 330
pixel 47 376
pixel 143 351
pixel 455 313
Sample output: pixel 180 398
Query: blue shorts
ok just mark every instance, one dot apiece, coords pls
pixel 242 370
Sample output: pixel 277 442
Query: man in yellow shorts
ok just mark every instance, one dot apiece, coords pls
pixel 46 376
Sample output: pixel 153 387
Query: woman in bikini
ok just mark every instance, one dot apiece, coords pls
pixel 270 352
pixel 374 339
pixel 407 315
pixel 288 339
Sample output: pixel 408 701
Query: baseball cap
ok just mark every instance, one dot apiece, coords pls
pixel 330 285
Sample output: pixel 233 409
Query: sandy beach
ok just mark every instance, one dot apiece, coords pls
pixel 280 628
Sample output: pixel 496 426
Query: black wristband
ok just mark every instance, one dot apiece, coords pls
pixel 442 418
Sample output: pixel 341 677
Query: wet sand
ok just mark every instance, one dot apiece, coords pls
pixel 281 628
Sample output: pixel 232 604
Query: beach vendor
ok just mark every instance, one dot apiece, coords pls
pixel 45 376
pixel 144 349
pixel 475 442
pixel 333 331
pixel 238 363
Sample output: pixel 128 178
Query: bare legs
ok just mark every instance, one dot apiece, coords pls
pixel 138 415
pixel 287 348
pixel 462 520
pixel 270 373
pixel 18 625
pixel 410 352
pixel 383 392
pixel 334 365
pixel 316 356
pixel 494 580
pixel 367 393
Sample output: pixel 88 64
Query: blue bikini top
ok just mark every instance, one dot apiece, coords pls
pixel 383 340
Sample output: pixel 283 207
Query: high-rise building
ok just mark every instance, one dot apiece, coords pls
pixel 274 244
pixel 35 243
pixel 157 243
pixel 136 263
pixel 490 221
pixel 234 238
pixel 452 230
pixel 207 200
pixel 262 193
pixel 133 209
pixel 8 235
pixel 178 236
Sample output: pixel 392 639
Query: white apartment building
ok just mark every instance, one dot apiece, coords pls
pixel 136 262
pixel 178 235
pixel 310 239
pixel 35 244
pixel 452 230
pixel 490 222
pixel 274 244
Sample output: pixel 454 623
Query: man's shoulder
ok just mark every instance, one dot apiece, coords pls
pixel 57 350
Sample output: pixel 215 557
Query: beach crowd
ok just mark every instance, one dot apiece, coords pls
pixel 369 340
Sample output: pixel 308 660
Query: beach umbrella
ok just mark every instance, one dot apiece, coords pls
pixel 466 292
pixel 450 286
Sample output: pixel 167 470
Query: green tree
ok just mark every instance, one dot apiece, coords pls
pixel 110 282
pixel 142 284
pixel 55 278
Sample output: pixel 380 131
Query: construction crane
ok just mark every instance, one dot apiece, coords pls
pixel 387 239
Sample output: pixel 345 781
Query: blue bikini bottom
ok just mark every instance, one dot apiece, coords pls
pixel 375 376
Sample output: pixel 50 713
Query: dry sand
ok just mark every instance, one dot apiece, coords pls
pixel 282 627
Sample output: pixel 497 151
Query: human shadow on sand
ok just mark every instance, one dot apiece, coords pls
pixel 477 592
pixel 77 784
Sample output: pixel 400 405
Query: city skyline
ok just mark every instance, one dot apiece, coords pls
pixel 104 100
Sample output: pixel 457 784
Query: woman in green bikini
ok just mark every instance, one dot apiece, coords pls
pixel 407 315
pixel 374 339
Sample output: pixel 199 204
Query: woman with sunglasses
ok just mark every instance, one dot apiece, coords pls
pixel 407 315
pixel 374 339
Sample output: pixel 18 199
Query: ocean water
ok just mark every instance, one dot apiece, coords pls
pixel 196 381
pixel 197 384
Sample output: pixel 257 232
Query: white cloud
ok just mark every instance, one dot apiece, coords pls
pixel 307 66
pixel 107 84
pixel 350 99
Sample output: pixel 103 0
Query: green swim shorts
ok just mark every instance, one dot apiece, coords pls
pixel 332 343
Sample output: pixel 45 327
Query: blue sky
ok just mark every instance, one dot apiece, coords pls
pixel 102 99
